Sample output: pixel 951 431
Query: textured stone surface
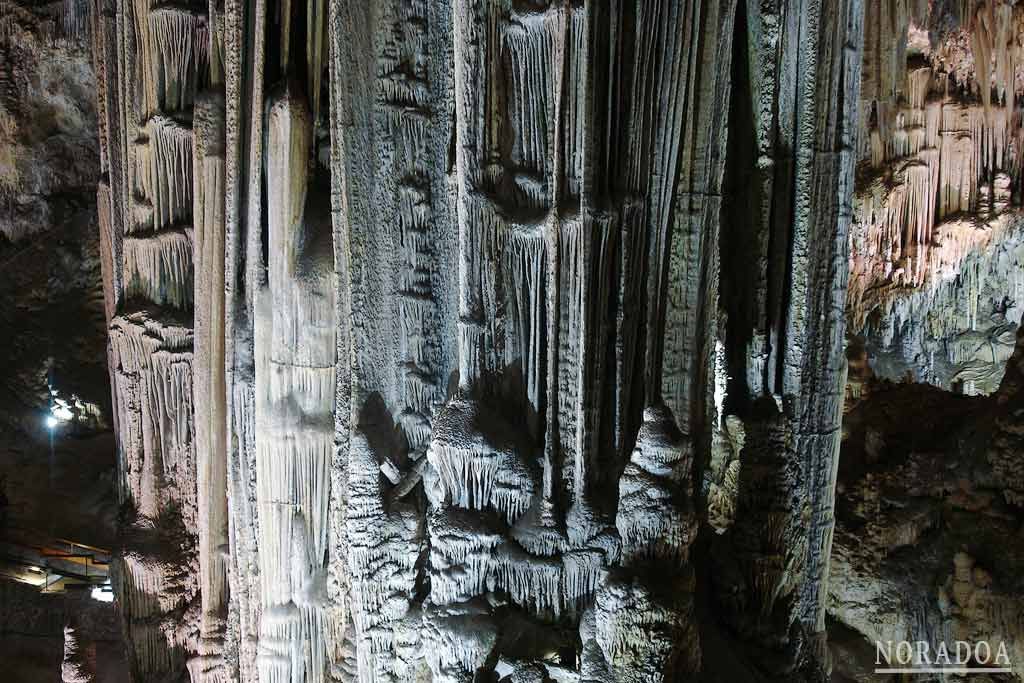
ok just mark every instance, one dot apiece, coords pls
pixel 928 495
pixel 503 338
pixel 426 317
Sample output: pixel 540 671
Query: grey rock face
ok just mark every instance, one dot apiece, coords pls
pixel 426 316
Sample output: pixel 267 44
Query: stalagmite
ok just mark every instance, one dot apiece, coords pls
pixel 79 663
pixel 762 557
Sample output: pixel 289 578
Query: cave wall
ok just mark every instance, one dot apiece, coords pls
pixel 927 489
pixel 428 324
pixel 928 513
pixel 934 261
pixel 51 302
pixel 34 643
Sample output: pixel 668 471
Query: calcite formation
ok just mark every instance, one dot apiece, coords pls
pixel 929 488
pixel 68 638
pixel 435 325
pixel 79 664
pixel 934 256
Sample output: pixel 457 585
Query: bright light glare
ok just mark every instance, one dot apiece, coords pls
pixel 98 593
pixel 62 410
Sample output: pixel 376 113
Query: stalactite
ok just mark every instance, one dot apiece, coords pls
pixel 75 16
pixel 178 56
pixel 526 251
pixel 159 268
pixel 170 171
pixel 939 192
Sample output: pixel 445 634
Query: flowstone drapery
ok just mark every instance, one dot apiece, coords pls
pixel 437 325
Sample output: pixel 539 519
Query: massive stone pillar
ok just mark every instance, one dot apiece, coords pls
pixel 153 59
pixel 471 325
pixel 783 279
pixel 241 38
pixel 294 347
pixel 395 253
pixel 279 341
pixel 210 389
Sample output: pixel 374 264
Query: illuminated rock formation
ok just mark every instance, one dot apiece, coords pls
pixel 429 322
pixel 929 477
pixel 152 59
pixel 79 665
pixel 935 255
